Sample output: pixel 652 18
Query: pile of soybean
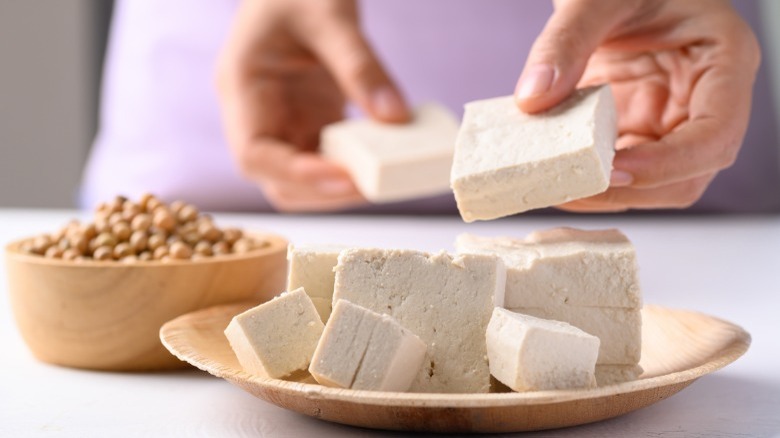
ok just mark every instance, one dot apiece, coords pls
pixel 146 230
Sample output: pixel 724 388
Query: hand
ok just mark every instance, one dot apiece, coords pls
pixel 285 72
pixel 682 74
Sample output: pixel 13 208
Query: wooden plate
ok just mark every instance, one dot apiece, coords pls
pixel 677 348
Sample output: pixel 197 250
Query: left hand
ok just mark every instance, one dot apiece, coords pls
pixel 285 72
pixel 682 74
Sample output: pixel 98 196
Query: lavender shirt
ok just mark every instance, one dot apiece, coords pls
pixel 160 126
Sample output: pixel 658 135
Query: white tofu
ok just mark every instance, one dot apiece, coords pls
pixel 361 349
pixel 324 307
pixel 532 354
pixel 278 337
pixel 311 267
pixel 393 358
pixel 507 162
pixel 445 300
pixel 620 330
pixel 392 162
pixel 564 266
pixel 342 345
pixel 613 374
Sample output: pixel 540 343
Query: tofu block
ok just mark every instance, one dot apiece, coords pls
pixel 324 307
pixel 393 162
pixel 277 337
pixel 507 162
pixel 311 267
pixel 614 374
pixel 446 300
pixel 361 349
pixel 532 354
pixel 342 346
pixel 393 358
pixel 620 330
pixel 564 266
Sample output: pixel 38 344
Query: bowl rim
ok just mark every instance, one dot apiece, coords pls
pixel 277 243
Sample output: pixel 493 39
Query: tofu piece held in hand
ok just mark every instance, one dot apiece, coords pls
pixel 507 162
pixel 361 349
pixel 278 337
pixel 532 354
pixel 392 162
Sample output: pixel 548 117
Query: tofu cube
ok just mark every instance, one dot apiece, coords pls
pixel 391 161
pixel 278 337
pixel 445 300
pixel 532 354
pixel 588 279
pixel 507 162
pixel 311 267
pixel 361 349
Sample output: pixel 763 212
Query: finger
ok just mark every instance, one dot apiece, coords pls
pixel 588 207
pixel 707 142
pixel 323 176
pixel 269 160
pixel 340 45
pixel 300 181
pixel 718 112
pixel 296 197
pixel 677 195
pixel 559 55
pixel 621 178
pixel 628 140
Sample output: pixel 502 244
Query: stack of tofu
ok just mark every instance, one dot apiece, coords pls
pixel 447 300
pixel 401 320
pixel 585 278
pixel 558 309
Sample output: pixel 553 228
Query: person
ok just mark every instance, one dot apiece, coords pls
pixel 682 74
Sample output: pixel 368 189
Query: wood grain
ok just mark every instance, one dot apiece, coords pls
pixel 107 315
pixel 678 347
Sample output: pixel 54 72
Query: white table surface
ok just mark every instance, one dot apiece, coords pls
pixel 724 266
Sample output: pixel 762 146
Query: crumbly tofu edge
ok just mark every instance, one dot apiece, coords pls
pixel 342 346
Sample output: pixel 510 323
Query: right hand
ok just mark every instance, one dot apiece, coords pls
pixel 284 73
pixel 682 74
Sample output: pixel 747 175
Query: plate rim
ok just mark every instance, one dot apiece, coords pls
pixel 738 345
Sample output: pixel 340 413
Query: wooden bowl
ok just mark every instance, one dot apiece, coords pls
pixel 107 315
pixel 678 347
